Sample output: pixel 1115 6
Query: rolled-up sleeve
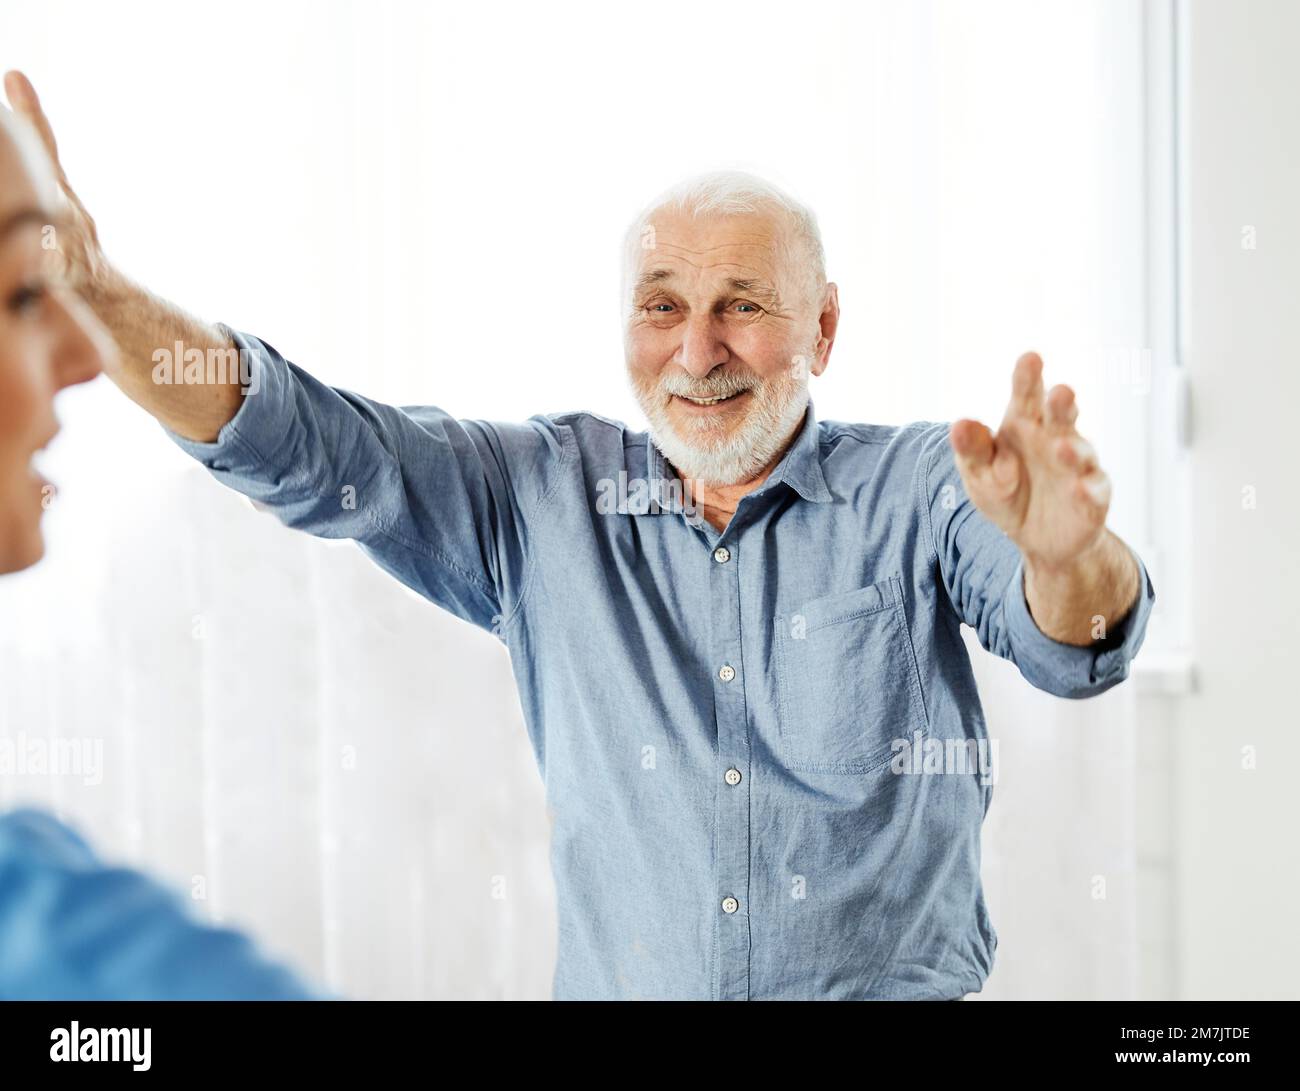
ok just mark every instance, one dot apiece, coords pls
pixel 983 573
pixel 251 440
pixel 442 504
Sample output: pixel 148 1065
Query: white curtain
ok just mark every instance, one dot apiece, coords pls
pixel 425 204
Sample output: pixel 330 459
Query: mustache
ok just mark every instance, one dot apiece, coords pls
pixel 723 386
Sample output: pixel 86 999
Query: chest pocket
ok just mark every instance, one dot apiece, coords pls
pixel 847 680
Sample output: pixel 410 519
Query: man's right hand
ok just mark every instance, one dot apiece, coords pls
pixel 84 266
pixel 141 323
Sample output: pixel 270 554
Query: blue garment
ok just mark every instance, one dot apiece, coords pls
pixel 718 718
pixel 73 929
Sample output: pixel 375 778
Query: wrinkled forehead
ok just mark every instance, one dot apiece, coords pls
pixel 709 248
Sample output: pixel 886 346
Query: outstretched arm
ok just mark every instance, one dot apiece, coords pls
pixel 442 504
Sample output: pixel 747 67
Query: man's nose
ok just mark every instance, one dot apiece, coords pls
pixel 702 348
pixel 84 347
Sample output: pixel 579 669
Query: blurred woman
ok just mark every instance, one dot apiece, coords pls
pixel 70 927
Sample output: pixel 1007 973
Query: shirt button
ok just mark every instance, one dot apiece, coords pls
pixel 732 777
pixel 722 554
pixel 727 672
pixel 729 904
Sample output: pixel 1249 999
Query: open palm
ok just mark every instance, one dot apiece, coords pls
pixel 1036 478
pixel 78 240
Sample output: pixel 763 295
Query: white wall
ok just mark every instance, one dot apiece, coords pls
pixel 1236 842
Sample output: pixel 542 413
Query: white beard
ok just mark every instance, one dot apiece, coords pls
pixel 703 451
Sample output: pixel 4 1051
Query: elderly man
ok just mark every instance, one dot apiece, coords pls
pixel 736 637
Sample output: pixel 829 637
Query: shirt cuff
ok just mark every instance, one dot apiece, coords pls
pixel 252 436
pixel 1072 670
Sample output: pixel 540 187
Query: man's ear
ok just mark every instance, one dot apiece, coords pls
pixel 829 322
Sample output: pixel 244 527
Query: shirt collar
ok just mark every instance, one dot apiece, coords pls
pixel 800 468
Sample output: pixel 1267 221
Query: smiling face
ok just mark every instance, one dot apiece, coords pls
pixel 726 324
pixel 48 340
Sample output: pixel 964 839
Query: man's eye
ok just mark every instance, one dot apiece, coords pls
pixel 27 298
pixel 661 308
pixel 745 308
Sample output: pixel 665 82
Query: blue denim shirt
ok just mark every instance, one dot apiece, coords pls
pixel 730 726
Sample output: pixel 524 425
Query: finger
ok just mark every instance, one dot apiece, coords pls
pixel 1006 468
pixel 15 85
pixel 984 462
pixel 1062 410
pixel 22 96
pixel 1094 488
pixel 1076 453
pixel 972 442
pixel 1027 388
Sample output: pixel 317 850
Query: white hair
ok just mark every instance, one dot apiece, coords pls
pixel 729 193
